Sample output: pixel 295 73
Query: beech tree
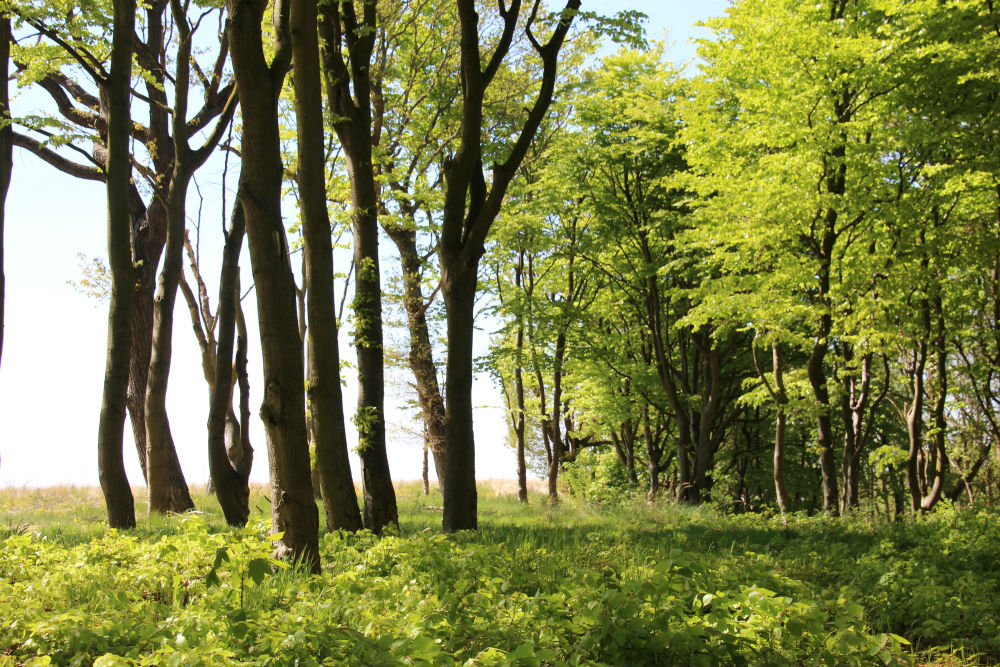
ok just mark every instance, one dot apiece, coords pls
pixel 163 496
pixel 74 44
pixel 351 29
pixel 114 483
pixel 259 82
pixel 325 396
pixel 6 148
pixel 470 208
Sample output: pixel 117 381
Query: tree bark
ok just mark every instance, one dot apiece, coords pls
pixel 114 483
pixel 293 506
pixel 166 492
pixel 652 455
pixel 557 440
pixel 421 356
pixel 340 503
pixel 470 208
pixel 458 286
pixel 522 473
pixel 6 151
pixel 349 91
pixel 230 482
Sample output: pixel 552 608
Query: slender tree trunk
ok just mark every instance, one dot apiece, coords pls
pixel 914 425
pixel 380 498
pixel 939 449
pixel 165 496
pixel 148 236
pixel 349 92
pixel 230 482
pixel 421 356
pixel 458 286
pixel 340 503
pixel 293 505
pixel 470 209
pixel 522 473
pixel 710 400
pixel 652 455
pixel 6 150
pixel 149 233
pixel 425 472
pixel 114 483
pixel 557 440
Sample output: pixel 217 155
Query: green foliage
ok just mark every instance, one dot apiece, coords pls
pixel 636 584
pixel 598 477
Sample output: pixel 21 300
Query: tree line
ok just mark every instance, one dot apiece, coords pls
pixel 770 282
pixel 773 283
pixel 411 121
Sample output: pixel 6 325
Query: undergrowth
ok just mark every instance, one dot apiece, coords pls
pixel 537 585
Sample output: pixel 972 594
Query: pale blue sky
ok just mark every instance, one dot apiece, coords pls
pixel 53 354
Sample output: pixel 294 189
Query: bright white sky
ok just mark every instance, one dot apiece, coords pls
pixel 52 369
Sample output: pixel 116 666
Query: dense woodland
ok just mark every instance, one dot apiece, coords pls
pixel 770 280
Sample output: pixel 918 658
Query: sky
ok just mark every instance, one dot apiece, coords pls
pixel 52 369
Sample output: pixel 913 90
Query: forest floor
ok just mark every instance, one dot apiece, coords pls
pixel 573 584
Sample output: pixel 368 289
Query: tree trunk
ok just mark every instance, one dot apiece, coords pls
pixel 914 425
pixel 349 93
pixel 458 287
pixel 380 498
pixel 340 502
pixel 114 483
pixel 421 357
pixel 230 482
pixel 167 492
pixel 824 425
pixel 557 440
pixel 652 455
pixel 469 211
pixel 522 473
pixel 425 471
pixel 293 506
pixel 6 150
pixel 939 449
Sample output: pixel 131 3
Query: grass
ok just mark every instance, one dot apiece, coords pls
pixel 570 584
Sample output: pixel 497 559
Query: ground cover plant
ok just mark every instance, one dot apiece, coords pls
pixel 536 585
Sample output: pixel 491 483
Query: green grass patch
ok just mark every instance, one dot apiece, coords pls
pixel 537 585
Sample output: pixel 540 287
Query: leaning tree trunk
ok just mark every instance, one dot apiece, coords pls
pixel 114 483
pixel 293 505
pixel 340 503
pixel 421 357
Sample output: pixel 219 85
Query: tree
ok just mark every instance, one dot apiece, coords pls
pixel 470 208
pixel 349 85
pixel 163 495
pixel 75 43
pixel 325 398
pixel 293 507
pixel 791 145
pixel 114 483
pixel 6 148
